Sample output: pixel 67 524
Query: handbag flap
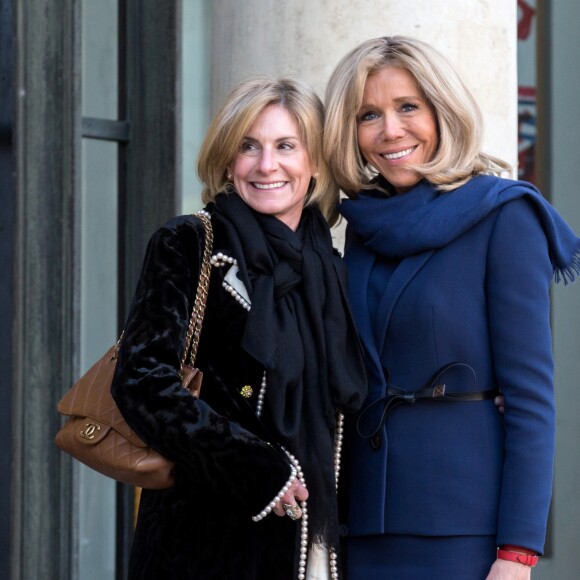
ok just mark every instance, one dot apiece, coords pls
pixel 91 397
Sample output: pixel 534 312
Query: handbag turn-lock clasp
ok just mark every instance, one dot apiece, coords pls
pixel 89 431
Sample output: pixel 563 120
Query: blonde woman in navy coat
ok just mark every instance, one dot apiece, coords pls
pixel 449 274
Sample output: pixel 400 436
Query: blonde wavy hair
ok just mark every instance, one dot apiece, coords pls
pixel 458 157
pixel 234 119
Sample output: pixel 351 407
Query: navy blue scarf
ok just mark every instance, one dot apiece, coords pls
pixel 425 219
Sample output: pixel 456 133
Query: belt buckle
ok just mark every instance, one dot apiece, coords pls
pixel 438 391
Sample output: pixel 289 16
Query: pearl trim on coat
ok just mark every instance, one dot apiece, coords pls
pixel 261 395
pixel 332 556
pixel 303 520
pixel 218 261
pixel 268 508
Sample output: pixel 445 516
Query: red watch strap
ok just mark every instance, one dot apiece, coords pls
pixel 526 559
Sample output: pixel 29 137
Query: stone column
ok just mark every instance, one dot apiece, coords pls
pixel 306 38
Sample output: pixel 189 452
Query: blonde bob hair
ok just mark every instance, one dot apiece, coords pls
pixel 233 121
pixel 458 157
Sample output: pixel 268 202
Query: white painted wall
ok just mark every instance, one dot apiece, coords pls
pixel 308 37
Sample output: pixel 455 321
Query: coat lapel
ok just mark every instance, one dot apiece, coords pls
pixel 373 330
pixel 400 279
pixel 360 262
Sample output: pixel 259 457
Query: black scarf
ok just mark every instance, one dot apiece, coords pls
pixel 300 328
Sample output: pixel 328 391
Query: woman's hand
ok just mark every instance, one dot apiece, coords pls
pixel 296 492
pixel 506 570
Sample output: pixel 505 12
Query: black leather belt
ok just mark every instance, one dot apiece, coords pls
pixel 439 392
pixel 434 392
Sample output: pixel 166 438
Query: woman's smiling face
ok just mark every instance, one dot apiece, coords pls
pixel 272 169
pixel 396 126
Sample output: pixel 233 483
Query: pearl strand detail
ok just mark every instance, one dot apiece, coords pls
pixel 333 564
pixel 218 261
pixel 338 436
pixel 236 295
pixel 338 440
pixel 303 520
pixel 269 507
pixel 261 395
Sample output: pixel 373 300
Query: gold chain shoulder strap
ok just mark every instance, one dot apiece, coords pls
pixel 198 311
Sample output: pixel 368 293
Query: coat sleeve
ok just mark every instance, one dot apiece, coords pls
pixel 211 452
pixel 519 276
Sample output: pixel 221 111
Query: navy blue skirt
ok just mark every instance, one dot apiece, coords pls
pixel 400 557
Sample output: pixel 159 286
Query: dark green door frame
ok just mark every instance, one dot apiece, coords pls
pixel 40 174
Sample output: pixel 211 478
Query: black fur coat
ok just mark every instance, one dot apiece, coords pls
pixel 227 467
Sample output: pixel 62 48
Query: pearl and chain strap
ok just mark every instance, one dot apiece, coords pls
pixel 218 261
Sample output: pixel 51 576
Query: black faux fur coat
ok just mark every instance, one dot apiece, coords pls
pixel 227 467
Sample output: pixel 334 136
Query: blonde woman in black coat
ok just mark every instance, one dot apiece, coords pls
pixel 257 456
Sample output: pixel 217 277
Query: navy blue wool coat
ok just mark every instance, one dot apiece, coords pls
pixel 459 468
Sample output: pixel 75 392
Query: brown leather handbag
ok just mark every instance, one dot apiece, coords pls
pixel 95 432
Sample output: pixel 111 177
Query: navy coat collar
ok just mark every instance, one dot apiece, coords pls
pixel 360 261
